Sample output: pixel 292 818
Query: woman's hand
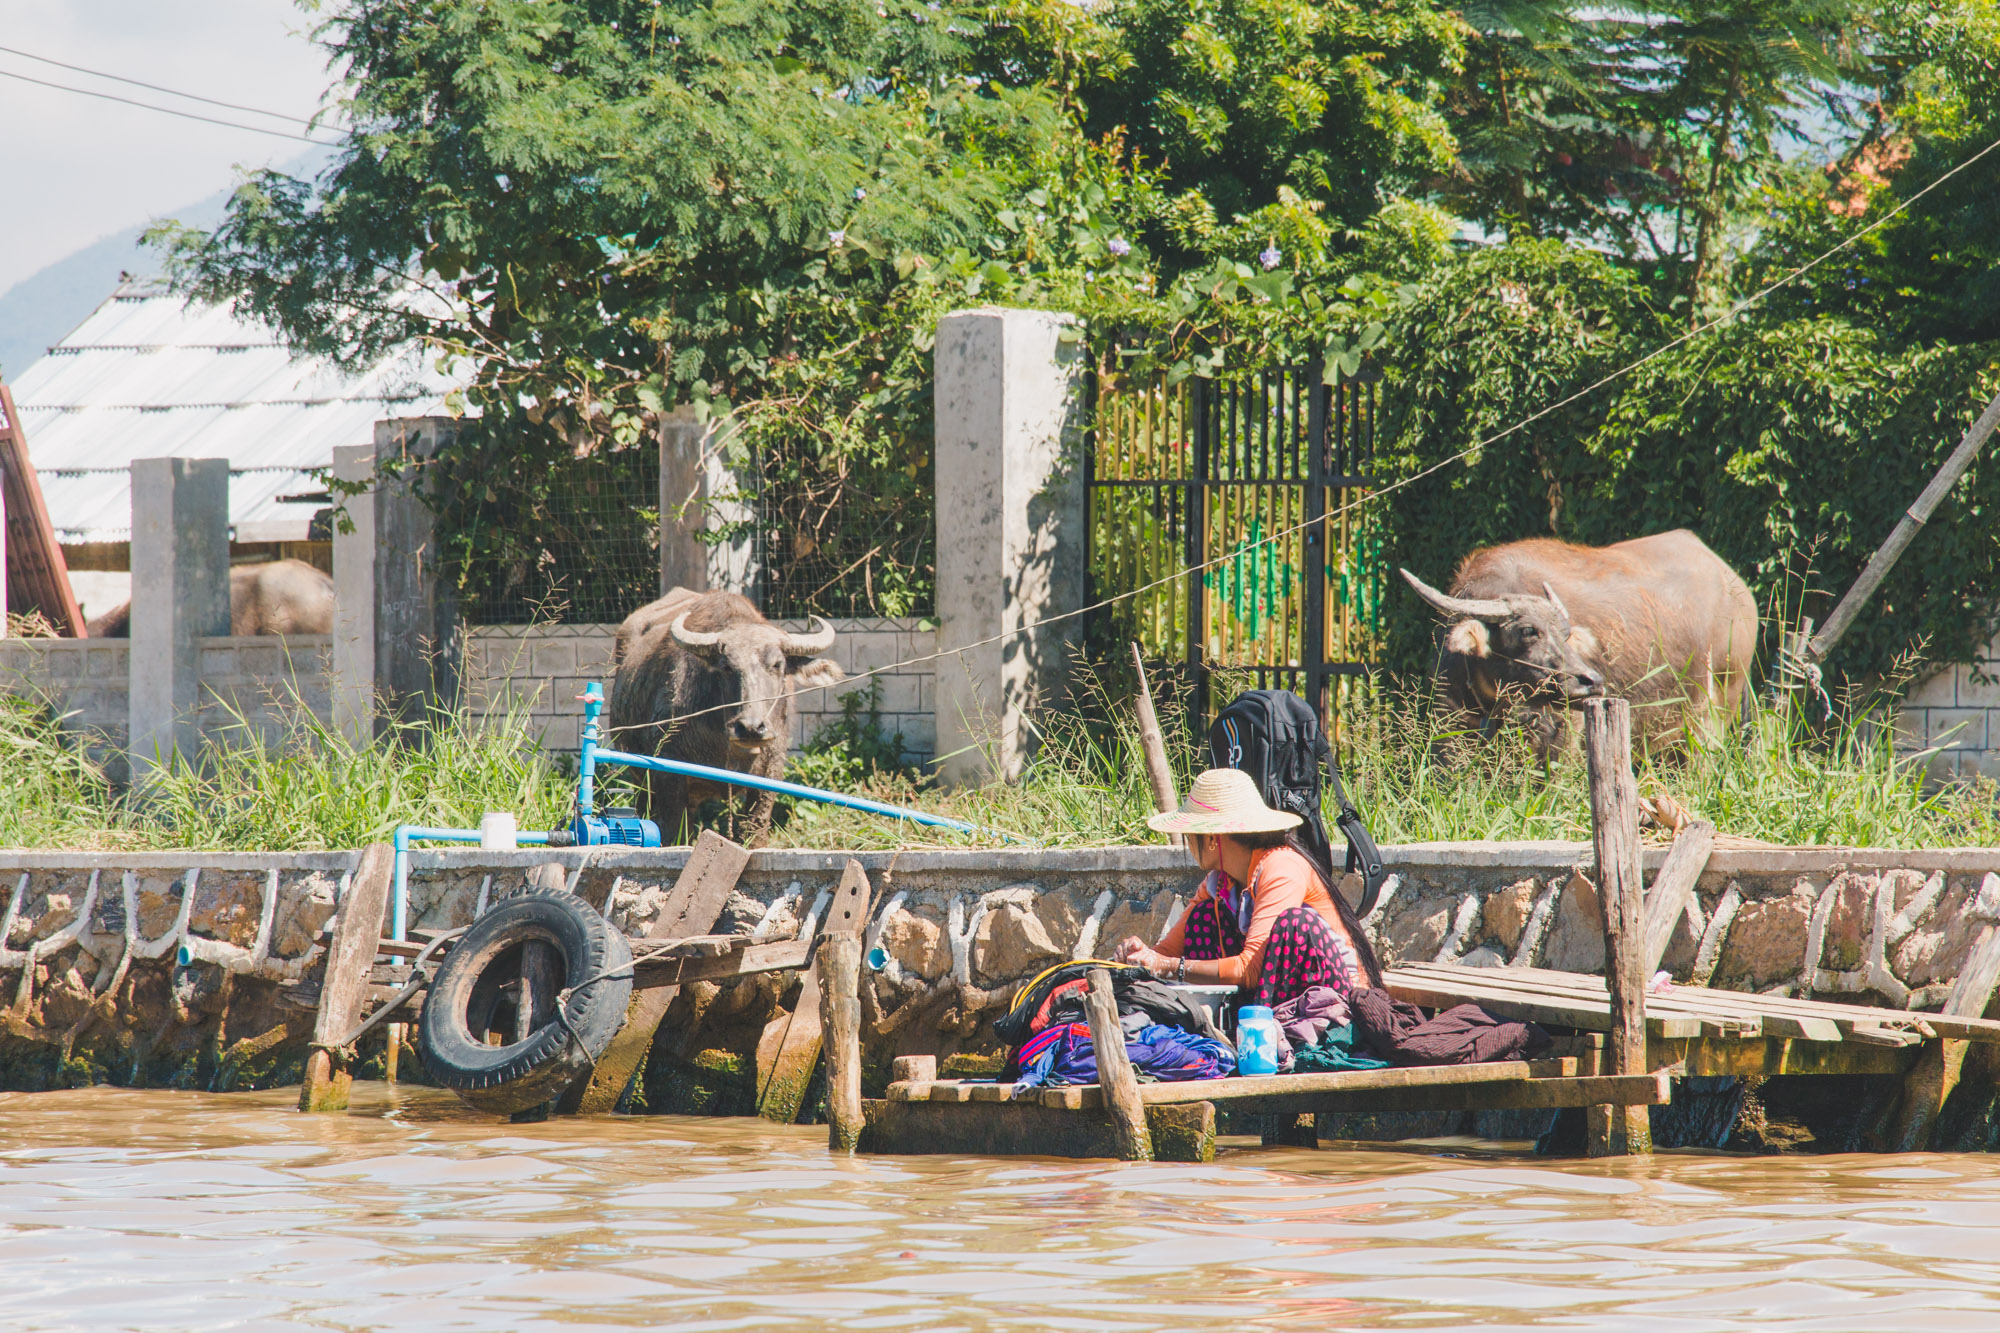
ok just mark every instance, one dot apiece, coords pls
pixel 1128 950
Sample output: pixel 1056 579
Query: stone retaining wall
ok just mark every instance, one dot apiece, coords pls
pixel 88 943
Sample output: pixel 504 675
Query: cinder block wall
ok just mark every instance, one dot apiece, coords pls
pixel 82 678
pixel 1957 710
pixel 252 684
pixel 538 670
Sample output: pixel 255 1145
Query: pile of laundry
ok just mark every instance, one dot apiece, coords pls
pixel 1168 1038
pixel 1325 1031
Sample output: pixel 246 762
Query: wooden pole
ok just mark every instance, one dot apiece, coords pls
pixel 1614 821
pixel 1158 772
pixel 840 1018
pixel 1904 533
pixel 356 937
pixel 1114 1072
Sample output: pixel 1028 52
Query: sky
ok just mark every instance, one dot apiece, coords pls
pixel 75 169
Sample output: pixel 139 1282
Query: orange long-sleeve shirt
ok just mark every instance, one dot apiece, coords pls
pixel 1280 879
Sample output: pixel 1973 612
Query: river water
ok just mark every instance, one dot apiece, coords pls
pixel 175 1210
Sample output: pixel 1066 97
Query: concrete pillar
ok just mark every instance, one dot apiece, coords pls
pixel 700 489
pixel 395 620
pixel 180 595
pixel 1010 541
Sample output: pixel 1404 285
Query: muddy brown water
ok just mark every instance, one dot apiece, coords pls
pixel 171 1210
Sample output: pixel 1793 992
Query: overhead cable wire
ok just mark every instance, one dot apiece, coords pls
pixel 154 87
pixel 1733 311
pixel 167 110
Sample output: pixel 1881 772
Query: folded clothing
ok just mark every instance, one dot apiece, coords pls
pixel 1062 1053
pixel 1047 999
pixel 1333 1052
pixel 1306 1016
pixel 1462 1035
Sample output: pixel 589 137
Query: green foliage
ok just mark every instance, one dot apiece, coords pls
pixel 51 794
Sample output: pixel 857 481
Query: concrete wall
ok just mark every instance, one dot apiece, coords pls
pixel 539 670
pixel 961 928
pixel 86 679
pixel 1958 711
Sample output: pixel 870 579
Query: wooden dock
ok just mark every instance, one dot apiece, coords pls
pixel 1619 1043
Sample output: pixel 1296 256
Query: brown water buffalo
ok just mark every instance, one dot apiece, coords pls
pixel 279 597
pixel 705 678
pixel 1659 620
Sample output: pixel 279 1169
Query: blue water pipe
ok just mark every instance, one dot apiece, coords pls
pixel 591 829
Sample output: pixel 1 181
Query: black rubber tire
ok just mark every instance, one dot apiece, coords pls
pixel 526 1073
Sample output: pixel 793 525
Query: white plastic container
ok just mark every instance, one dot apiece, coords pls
pixel 498 832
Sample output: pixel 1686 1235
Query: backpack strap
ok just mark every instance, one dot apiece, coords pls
pixel 1362 853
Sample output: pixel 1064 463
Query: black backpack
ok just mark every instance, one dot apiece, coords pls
pixel 1274 736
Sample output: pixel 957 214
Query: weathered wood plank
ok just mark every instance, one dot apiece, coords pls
pixel 328 1079
pixel 698 897
pixel 783 956
pixel 1115 1078
pixel 1673 888
pixel 1183 1132
pixel 840 1016
pixel 1942 1064
pixel 1554 1011
pixel 790 1045
pixel 1614 823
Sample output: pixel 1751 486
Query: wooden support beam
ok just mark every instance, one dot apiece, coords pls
pixel 839 968
pixel 1182 1132
pixel 1159 773
pixel 329 1077
pixel 789 1047
pixel 1673 888
pixel 1614 822
pixel 1942 1062
pixel 698 897
pixel 1114 1071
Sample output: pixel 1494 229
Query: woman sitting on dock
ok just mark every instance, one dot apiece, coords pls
pixel 1265 919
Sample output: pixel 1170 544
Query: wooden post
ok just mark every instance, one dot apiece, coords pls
pixel 699 895
pixel 1942 1062
pixel 1114 1072
pixel 1673 888
pixel 329 1077
pixel 1614 820
pixel 839 964
pixel 790 1045
pixel 1158 772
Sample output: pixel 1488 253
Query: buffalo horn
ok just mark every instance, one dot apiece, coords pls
pixel 692 639
pixel 810 645
pixel 1556 601
pixel 1488 608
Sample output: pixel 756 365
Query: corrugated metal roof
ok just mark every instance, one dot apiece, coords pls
pixel 152 374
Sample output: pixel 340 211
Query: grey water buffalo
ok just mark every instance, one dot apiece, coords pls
pixel 278 597
pixel 1659 620
pixel 705 678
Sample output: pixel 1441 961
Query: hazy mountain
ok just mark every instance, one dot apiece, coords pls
pixel 37 311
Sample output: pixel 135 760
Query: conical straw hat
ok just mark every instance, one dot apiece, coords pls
pixel 1223 800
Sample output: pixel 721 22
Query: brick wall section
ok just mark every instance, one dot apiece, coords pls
pixel 538 670
pixel 248 680
pixel 1959 712
pixel 258 683
pixel 83 679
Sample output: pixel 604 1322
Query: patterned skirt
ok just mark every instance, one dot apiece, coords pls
pixel 1302 951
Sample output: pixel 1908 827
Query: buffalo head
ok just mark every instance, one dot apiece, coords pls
pixel 1525 641
pixel 764 664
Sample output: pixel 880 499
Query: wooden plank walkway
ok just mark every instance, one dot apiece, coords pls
pixel 1578 1000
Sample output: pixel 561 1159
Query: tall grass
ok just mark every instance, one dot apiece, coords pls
pixel 304 788
pixel 1777 780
